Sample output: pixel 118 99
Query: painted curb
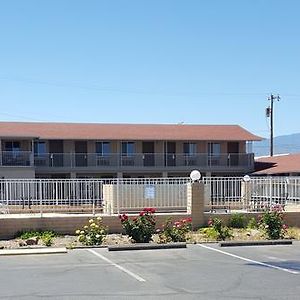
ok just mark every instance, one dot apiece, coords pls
pixel 146 246
pixel 33 251
pixel 255 243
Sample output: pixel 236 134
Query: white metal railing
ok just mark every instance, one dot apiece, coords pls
pixel 260 193
pixel 119 160
pixel 110 196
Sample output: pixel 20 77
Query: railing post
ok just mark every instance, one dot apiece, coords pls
pixel 41 197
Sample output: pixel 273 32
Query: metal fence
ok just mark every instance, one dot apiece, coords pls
pixel 108 196
pixel 113 196
pixel 260 193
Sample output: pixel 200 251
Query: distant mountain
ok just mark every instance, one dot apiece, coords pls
pixel 282 144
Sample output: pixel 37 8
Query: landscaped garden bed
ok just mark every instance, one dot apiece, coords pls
pixel 143 229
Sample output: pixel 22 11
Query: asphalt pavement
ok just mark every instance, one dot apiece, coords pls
pixel 204 271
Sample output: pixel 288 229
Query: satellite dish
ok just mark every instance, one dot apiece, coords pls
pixel 195 175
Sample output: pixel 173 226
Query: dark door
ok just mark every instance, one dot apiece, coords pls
pixel 81 153
pixel 56 150
pixel 148 154
pixel 170 154
pixel 233 153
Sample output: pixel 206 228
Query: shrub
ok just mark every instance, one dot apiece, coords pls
pixel 223 232
pixel 237 220
pixel 175 232
pixel 93 233
pixel 252 224
pixel 210 233
pixel 272 223
pixel 140 228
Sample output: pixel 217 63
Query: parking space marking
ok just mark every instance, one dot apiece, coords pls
pixel 135 276
pixel 250 260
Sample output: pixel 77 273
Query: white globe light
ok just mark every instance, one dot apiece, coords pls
pixel 195 175
pixel 246 178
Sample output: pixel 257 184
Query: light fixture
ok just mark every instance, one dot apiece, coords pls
pixel 246 178
pixel 195 175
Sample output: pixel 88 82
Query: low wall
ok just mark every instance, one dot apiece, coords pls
pixel 65 224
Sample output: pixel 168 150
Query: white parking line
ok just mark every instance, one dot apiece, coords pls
pixel 249 260
pixel 135 276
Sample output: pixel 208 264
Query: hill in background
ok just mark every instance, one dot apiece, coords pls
pixel 282 144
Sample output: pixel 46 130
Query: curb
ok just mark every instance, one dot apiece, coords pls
pixel 143 246
pixel 33 251
pixel 255 243
pixel 87 247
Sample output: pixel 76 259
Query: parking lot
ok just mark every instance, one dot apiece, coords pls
pixel 199 272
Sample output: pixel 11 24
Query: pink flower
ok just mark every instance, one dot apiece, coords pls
pixel 285 226
pixel 210 222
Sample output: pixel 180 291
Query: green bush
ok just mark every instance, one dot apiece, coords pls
pixel 223 232
pixel 210 233
pixel 252 223
pixel 237 220
pixel 92 234
pixel 140 228
pixel 272 223
pixel 175 232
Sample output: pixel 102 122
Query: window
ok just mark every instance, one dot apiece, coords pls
pixel 214 149
pixel 12 146
pixel 39 148
pixel 103 148
pixel 128 149
pixel 190 149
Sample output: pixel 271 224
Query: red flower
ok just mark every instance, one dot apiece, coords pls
pixel 150 210
pixel 123 217
pixel 189 220
pixel 142 213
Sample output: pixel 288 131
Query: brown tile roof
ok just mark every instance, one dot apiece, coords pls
pixel 90 131
pixel 280 164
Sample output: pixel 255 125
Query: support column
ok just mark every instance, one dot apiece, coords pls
pixel 73 175
pixel 120 175
pixel 195 203
pixel 165 174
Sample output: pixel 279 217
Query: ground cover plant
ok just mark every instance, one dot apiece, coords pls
pixel 92 234
pixel 46 236
pixel 140 228
pixel 237 220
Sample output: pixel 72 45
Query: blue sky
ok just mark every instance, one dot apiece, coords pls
pixel 197 62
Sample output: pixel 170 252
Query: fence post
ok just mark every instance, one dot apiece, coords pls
pixel 195 203
pixel 41 198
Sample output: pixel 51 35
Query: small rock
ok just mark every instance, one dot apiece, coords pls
pixel 248 233
pixel 32 241
pixel 22 243
pixel 1 247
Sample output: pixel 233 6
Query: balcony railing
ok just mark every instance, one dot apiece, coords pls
pixel 146 160
pixel 16 158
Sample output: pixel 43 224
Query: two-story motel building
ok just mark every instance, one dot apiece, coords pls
pixel 73 150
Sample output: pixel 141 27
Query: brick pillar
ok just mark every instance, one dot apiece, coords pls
pixel 195 203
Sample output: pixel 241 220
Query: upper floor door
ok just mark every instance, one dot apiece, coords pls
pixel 148 154
pixel 170 153
pixel 56 149
pixel 233 151
pixel 80 153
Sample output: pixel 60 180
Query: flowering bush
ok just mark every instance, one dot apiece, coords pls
pixel 175 232
pixel 93 233
pixel 272 223
pixel 140 228
pixel 222 232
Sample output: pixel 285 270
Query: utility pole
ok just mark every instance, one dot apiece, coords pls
pixel 270 113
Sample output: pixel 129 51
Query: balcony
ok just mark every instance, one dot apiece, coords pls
pixel 151 161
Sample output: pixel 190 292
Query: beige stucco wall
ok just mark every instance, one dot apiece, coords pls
pixel 16 172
